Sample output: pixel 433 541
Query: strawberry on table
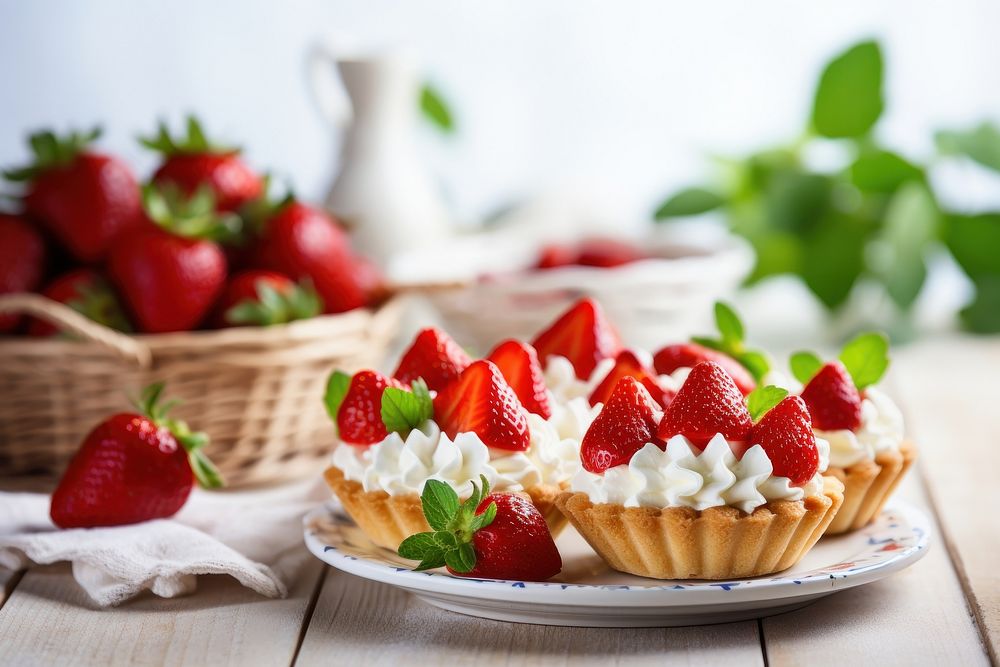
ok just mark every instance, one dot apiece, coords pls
pixel 84 198
pixel 627 364
pixel 193 162
pixel 519 365
pixel 22 261
pixel 433 356
pixel 708 403
pixel 786 434
pixel 583 335
pixel 132 468
pixel 264 298
pixel 88 293
pixel 624 425
pixel 480 401
pixel 489 536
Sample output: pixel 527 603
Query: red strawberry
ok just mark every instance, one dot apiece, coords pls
pixel 480 401
pixel 170 275
pixel 623 426
pixel 689 355
pixel 786 435
pixel 833 401
pixel 193 162
pixel 86 292
pixel 607 253
pixel 519 364
pixel 359 417
pixel 707 403
pixel 263 298
pixel 433 356
pixel 132 468
pixel 85 199
pixel 496 536
pixel 22 261
pixel 627 364
pixel 582 335
pixel 556 255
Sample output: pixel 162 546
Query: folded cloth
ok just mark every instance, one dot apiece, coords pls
pixel 253 536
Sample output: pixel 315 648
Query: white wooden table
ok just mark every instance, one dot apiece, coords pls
pixel 944 610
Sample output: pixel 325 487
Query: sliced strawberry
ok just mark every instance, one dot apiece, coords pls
pixel 480 401
pixel 433 356
pixel 583 335
pixel 520 367
pixel 627 364
pixel 708 403
pixel 623 426
pixel 833 401
pixel 359 419
pixel 787 437
pixel 689 355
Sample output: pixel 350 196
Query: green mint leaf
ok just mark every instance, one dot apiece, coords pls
pixel 848 98
pixel 883 172
pixel 403 411
pixel 762 399
pixel 756 362
pixel 866 357
pixel 446 540
pixel 462 558
pixel 690 201
pixel 435 109
pixel 834 256
pixel 981 144
pixel 336 389
pixel 440 504
pixel 416 547
pixel 730 326
pixel 982 314
pixel 910 225
pixel 804 365
pixel 973 240
pixel 484 519
pixel 711 343
pixel 434 560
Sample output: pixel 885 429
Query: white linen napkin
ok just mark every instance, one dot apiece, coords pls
pixel 253 536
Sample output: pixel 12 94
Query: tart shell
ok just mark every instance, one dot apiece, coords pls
pixel 868 485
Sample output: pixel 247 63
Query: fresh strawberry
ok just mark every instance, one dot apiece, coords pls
pixel 132 468
pixel 264 298
pixel 433 356
pixel 480 401
pixel 359 410
pixel 491 536
pixel 627 364
pixel 608 253
pixel 556 255
pixel 22 261
pixel 520 367
pixel 689 355
pixel 171 273
pixel 193 162
pixel 708 403
pixel 786 434
pixel 88 293
pixel 623 426
pixel 85 199
pixel 583 335
pixel 833 401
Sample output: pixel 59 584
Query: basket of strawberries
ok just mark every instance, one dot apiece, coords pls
pixel 240 303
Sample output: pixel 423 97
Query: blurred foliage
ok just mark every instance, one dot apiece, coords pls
pixel 435 109
pixel 876 217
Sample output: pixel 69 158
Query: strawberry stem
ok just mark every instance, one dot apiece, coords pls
pixel 51 151
pixel 195 143
pixel 193 216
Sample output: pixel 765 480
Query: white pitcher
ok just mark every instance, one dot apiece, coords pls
pixel 383 192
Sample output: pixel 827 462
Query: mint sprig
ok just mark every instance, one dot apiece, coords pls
pixel 403 411
pixel 762 399
pixel 866 358
pixel 454 524
pixel 804 365
pixel 336 389
pixel 731 342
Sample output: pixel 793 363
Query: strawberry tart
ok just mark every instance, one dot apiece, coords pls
pixel 715 486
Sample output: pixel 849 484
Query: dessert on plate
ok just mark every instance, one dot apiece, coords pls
pixel 715 486
pixel 868 450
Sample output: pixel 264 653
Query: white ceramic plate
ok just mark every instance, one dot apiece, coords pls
pixel 589 593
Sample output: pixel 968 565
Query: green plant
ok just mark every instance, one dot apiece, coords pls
pixel 875 217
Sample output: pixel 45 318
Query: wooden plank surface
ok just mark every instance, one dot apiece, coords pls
pixel 360 622
pixel 950 391
pixel 49 620
pixel 8 580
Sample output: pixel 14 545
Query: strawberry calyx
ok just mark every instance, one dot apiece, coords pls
pixel 195 143
pixel 257 212
pixel 191 216
pixel 731 342
pixel 51 150
pixel 300 301
pixel 453 524
pixel 148 403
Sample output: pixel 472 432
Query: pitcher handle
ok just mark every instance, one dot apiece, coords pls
pixel 325 86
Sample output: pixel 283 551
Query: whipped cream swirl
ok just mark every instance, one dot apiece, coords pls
pixel 881 430
pixel 561 379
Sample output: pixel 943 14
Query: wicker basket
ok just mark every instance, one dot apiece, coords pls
pixel 256 391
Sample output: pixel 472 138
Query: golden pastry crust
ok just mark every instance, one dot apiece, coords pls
pixel 716 543
pixel 868 485
pixel 388 520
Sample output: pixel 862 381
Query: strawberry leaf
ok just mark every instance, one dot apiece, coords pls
pixel 730 326
pixel 484 519
pixel 440 504
pixel 804 365
pixel 336 390
pixel 462 558
pixel 403 411
pixel 866 357
pixel 762 399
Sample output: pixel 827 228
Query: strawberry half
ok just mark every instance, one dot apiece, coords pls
pixel 627 364
pixel 520 367
pixel 359 415
pixel 583 335
pixel 689 355
pixel 708 403
pixel 833 401
pixel 480 401
pixel 623 426
pixel 433 356
pixel 786 434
